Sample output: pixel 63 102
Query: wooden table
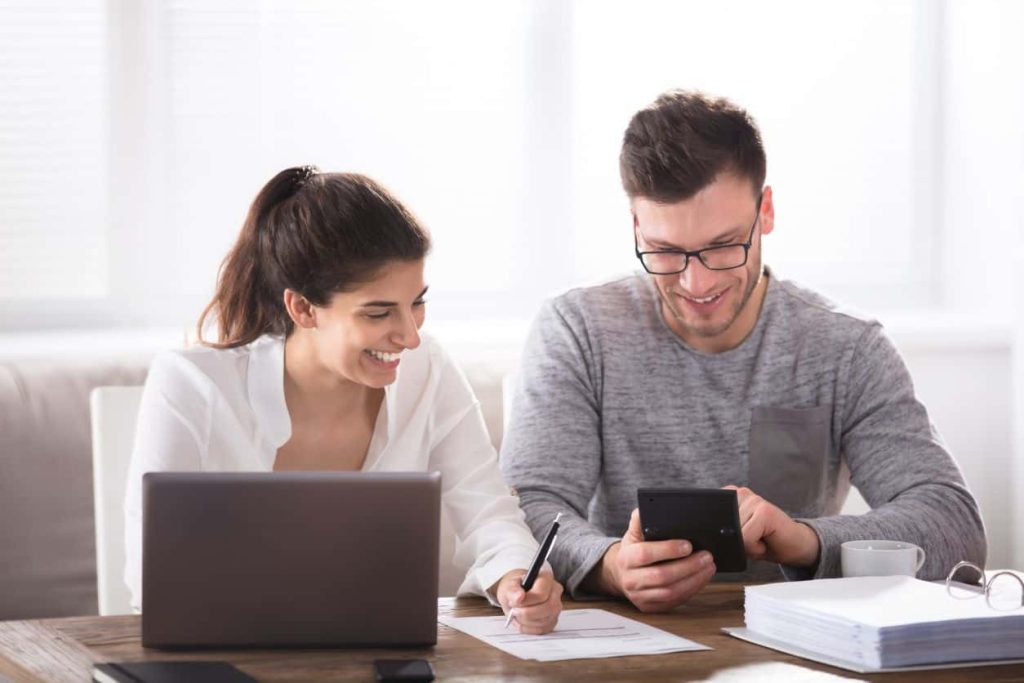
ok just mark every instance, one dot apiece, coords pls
pixel 65 650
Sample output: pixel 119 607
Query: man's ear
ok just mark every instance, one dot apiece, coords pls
pixel 767 211
pixel 302 313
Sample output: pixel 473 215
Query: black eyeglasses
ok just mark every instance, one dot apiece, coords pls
pixel 720 257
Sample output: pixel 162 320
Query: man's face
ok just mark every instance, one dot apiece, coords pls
pixel 711 310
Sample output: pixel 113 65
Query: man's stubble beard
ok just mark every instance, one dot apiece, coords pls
pixel 752 281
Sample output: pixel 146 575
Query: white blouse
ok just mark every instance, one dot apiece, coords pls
pixel 207 409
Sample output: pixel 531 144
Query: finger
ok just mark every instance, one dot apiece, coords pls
pixel 748 520
pixel 634 534
pixel 535 613
pixel 742 493
pixel 756 550
pixel 668 597
pixel 666 573
pixel 650 552
pixel 514 596
pixel 752 532
pixel 748 507
pixel 542 590
pixel 538 630
pixel 540 617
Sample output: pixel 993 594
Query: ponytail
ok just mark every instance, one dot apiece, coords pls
pixel 311 232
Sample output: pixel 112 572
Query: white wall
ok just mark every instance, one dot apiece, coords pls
pixel 1016 473
pixel 888 125
pixel 982 212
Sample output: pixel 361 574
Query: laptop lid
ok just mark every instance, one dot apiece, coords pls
pixel 290 559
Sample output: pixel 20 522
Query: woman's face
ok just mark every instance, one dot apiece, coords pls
pixel 361 333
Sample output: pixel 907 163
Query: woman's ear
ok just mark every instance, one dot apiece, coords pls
pixel 302 313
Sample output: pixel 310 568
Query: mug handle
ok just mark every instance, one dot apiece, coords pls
pixel 920 559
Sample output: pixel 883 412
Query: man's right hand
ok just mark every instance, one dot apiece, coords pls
pixel 656 576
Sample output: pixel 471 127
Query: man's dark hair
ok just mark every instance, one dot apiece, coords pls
pixel 682 142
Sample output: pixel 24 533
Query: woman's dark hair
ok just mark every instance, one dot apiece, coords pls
pixel 314 233
pixel 683 141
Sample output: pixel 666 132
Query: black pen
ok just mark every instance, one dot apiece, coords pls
pixel 538 561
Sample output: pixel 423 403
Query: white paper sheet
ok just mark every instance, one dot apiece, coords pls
pixel 580 634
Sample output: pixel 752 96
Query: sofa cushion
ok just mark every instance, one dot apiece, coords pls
pixel 48 560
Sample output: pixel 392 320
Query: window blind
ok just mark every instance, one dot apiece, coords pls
pixel 53 146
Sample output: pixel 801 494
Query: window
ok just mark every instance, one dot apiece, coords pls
pixel 845 100
pixel 53 147
pixel 430 102
pixel 136 133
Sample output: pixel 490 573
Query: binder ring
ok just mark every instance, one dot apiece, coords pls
pixel 973 591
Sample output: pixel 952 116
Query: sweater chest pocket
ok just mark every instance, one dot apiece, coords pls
pixel 789 451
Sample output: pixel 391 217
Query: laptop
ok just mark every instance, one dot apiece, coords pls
pixel 281 559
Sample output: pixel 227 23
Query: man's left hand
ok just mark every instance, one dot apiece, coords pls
pixel 770 534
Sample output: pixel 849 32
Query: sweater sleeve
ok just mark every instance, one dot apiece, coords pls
pixel 902 468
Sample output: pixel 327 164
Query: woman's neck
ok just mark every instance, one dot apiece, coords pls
pixel 312 389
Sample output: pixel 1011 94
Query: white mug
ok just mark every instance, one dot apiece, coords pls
pixel 881 558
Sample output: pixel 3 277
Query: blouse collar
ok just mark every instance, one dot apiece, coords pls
pixel 266 392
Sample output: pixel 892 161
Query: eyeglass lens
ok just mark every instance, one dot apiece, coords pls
pixel 720 258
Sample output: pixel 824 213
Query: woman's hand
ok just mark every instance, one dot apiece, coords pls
pixel 535 612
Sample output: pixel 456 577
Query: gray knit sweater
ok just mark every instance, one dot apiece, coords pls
pixel 609 399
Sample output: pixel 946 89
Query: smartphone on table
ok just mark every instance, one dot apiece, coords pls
pixel 406 670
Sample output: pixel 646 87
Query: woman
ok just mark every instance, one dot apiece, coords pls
pixel 319 365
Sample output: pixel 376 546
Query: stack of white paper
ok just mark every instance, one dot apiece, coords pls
pixel 883 621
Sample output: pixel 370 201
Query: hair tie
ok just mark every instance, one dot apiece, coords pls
pixel 302 174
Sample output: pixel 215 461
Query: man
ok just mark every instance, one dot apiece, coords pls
pixel 709 370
